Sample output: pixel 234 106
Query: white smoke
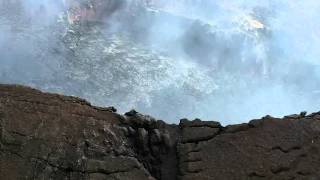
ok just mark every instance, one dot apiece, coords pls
pixel 279 45
pixel 226 60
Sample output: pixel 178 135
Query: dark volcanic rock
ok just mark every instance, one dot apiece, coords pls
pixel 48 136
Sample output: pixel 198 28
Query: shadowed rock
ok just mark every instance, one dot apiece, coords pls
pixel 49 136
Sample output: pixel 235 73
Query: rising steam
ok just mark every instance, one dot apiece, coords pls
pixel 215 60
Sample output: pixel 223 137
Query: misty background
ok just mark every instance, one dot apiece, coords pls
pixel 214 60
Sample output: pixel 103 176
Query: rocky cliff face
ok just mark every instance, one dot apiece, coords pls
pixel 49 136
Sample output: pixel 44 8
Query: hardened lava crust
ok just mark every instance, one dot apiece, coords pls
pixel 50 136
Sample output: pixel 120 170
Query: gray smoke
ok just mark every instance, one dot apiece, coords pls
pixel 214 60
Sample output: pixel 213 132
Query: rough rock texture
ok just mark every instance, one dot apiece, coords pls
pixel 49 136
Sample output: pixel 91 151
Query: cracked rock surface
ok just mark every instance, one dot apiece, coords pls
pixel 49 136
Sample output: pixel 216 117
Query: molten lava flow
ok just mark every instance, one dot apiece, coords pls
pixel 79 11
pixel 253 23
pixel 97 10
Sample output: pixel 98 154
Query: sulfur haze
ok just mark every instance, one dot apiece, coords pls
pixel 216 60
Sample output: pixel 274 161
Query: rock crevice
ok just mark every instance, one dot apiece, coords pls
pixel 49 136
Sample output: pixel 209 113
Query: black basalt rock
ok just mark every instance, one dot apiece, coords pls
pixel 49 136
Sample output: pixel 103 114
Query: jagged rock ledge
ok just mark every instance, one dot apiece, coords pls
pixel 49 136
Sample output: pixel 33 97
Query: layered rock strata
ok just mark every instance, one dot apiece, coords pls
pixel 50 136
